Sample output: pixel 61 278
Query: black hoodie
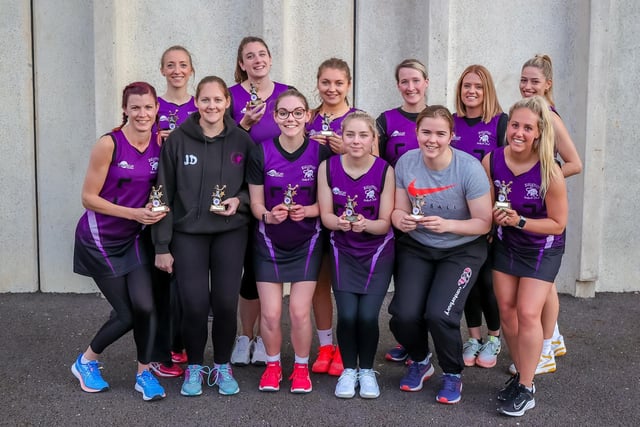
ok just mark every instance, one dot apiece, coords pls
pixel 191 165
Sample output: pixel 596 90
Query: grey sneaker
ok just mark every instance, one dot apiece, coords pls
pixel 488 355
pixel 259 353
pixel 241 353
pixel 470 350
pixel 368 385
pixel 346 387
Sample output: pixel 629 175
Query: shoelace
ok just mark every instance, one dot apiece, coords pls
pixel 197 374
pixel 450 382
pixel 93 368
pixel 223 372
pixel 299 372
pixel 146 378
pixel 348 375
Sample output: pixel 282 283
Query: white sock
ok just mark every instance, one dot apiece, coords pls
pixel 302 360
pixel 325 336
pixel 275 358
pixel 84 360
pixel 546 347
pixel 556 331
pixel 425 361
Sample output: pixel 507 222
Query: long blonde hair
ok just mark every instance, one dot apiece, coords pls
pixel 543 63
pixel 544 146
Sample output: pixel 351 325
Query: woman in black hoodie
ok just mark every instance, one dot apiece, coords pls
pixel 204 235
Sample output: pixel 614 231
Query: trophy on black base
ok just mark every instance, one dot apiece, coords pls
pixel 502 198
pixel 326 125
pixel 173 119
pixel 254 99
pixel 216 199
pixel 416 207
pixel 288 196
pixel 155 198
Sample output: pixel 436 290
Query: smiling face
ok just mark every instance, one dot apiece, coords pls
pixel 472 94
pixel 256 60
pixel 212 103
pixel 533 82
pixel 141 111
pixel 434 136
pixel 412 86
pixel 523 130
pixel 333 86
pixel 357 136
pixel 293 125
pixel 176 68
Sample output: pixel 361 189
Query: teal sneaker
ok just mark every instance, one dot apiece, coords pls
pixel 89 375
pixel 192 385
pixel 148 385
pixel 223 378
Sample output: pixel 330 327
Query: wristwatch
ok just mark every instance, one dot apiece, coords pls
pixel 264 217
pixel 521 223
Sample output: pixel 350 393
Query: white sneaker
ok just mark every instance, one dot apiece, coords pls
pixel 546 365
pixel 557 346
pixel 470 350
pixel 488 354
pixel 368 385
pixel 346 387
pixel 259 353
pixel 241 353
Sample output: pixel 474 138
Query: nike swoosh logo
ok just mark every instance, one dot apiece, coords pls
pixel 413 191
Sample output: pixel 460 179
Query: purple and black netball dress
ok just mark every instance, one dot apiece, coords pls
pixel 362 262
pixel 266 128
pixel 171 115
pixel 475 137
pixel 400 134
pixel 292 250
pixel 109 246
pixel 522 253
pixel 335 125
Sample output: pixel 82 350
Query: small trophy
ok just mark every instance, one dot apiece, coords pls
pixel 254 99
pixel 155 198
pixel 173 119
pixel 288 196
pixel 350 209
pixel 216 199
pixel 416 206
pixel 326 128
pixel 502 199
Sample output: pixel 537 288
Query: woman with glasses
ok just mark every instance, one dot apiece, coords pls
pixel 282 175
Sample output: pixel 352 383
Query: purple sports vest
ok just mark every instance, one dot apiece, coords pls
pixel 315 126
pixel 478 140
pixel 266 128
pixel 401 136
pixel 525 199
pixel 170 114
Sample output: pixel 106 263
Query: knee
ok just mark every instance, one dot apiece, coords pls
pixel 299 314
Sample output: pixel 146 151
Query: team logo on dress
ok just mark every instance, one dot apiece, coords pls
pixel 370 193
pixel 308 172
pixel 153 162
pixel 338 192
pixel 125 165
pixel 237 158
pixel 483 137
pixel 397 133
pixel 274 173
pixel 532 191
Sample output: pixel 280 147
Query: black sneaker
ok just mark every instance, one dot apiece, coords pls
pixel 510 389
pixel 521 403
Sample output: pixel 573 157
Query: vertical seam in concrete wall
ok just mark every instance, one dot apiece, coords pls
pixel 354 53
pixel 35 143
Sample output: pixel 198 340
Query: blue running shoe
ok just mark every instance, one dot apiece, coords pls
pixel 223 378
pixel 397 354
pixel 192 385
pixel 451 389
pixel 89 376
pixel 148 385
pixel 417 374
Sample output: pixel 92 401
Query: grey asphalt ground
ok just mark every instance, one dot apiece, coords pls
pixel 597 383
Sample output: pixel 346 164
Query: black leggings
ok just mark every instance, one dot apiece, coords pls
pixel 131 297
pixel 198 259
pixel 482 300
pixel 357 328
pixel 431 288
pixel 169 315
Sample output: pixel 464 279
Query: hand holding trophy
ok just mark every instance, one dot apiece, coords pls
pixel 216 199
pixel 155 198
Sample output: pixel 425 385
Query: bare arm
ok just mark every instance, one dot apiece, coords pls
pixel 566 148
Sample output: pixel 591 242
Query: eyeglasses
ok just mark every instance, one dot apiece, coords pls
pixel 283 114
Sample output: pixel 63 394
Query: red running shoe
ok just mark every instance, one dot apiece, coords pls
pixel 180 357
pixel 336 367
pixel 323 362
pixel 300 380
pixel 270 380
pixel 162 370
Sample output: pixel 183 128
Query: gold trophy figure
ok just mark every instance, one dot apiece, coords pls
pixel 288 196
pixel 502 199
pixel 350 209
pixel 326 125
pixel 216 199
pixel 155 198
pixel 254 99
pixel 416 207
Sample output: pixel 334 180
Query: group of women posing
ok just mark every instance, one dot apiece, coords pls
pixel 324 198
